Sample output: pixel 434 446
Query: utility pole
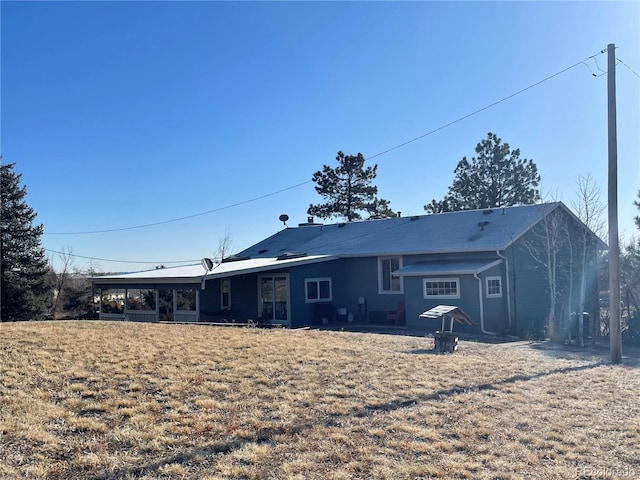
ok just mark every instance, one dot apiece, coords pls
pixel 615 336
pixel 1 213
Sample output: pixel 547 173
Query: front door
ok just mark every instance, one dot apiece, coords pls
pixel 274 298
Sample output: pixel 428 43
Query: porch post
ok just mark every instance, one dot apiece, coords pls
pixel 157 292
pixel 197 305
pixel 174 300
pixel 100 304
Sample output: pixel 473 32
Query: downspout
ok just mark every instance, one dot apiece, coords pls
pixel 486 332
pixel 506 267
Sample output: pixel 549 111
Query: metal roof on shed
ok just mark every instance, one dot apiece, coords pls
pixel 450 311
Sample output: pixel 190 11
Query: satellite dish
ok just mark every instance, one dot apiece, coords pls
pixel 207 264
pixel 283 218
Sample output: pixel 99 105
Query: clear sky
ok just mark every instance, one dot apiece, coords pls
pixel 122 114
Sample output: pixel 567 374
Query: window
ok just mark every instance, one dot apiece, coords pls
pixel 186 300
pixel 441 288
pixel 225 293
pixel 494 287
pixel 141 299
pixel 113 300
pixel 317 289
pixel 388 283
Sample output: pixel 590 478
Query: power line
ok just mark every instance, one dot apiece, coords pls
pixel 182 218
pixel 115 261
pixel 628 67
pixel 485 108
pixel 415 139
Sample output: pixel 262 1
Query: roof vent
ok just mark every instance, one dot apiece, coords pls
pixel 487 212
pixel 415 217
pixel 264 250
pixel 483 224
pixel 234 258
pixel 290 255
pixel 340 225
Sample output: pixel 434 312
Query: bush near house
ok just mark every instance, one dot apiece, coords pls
pixel 134 400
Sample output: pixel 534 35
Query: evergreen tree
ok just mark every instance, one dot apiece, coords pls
pixel 637 204
pixel 496 177
pixel 25 290
pixel 348 191
pixel 379 208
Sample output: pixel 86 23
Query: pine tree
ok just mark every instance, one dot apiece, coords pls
pixel 348 191
pixel 497 177
pixel 25 290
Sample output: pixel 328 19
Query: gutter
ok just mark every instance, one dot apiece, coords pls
pixel 506 267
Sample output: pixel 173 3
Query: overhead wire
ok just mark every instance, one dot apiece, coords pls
pixel 260 197
pixel 117 261
pixel 628 67
pixel 400 145
pixel 504 99
pixel 163 222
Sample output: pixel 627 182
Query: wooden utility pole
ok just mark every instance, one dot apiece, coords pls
pixel 615 336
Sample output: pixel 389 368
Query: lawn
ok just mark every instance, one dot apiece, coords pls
pixel 124 400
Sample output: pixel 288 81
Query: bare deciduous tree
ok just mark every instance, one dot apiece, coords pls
pixel 65 257
pixel 545 244
pixel 225 247
pixel 589 208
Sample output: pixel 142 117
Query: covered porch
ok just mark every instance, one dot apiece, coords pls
pixel 237 289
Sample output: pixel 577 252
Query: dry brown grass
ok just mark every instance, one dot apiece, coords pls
pixel 126 400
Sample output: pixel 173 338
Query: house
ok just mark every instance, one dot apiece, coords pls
pixel 493 264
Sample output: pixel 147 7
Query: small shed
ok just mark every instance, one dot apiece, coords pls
pixel 447 341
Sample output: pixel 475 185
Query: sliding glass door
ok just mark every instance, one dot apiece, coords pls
pixel 274 296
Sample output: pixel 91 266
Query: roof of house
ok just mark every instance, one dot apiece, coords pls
pixel 197 273
pixel 462 231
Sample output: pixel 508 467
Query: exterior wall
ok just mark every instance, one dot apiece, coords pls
pixel 302 313
pixel 244 299
pixel 469 301
pixel 531 286
pixel 530 290
pixel 495 311
pixel 361 280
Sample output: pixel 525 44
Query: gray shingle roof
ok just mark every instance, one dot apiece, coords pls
pixel 471 230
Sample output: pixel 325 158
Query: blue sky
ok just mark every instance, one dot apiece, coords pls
pixel 122 114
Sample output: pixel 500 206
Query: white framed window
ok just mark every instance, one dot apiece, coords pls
pixel 225 293
pixel 494 287
pixel 318 290
pixel 441 287
pixel 388 283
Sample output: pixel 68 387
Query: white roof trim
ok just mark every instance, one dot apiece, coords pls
pixel 193 274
